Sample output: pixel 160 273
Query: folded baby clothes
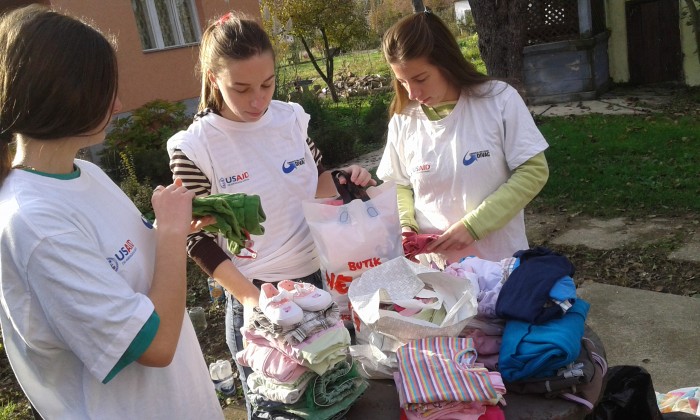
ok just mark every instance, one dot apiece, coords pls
pixel 442 369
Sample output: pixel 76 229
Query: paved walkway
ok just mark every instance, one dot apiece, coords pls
pixel 621 100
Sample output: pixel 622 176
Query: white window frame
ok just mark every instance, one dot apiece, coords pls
pixel 175 21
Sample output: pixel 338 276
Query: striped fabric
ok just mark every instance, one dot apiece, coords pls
pixel 193 179
pixel 442 369
pixel 316 153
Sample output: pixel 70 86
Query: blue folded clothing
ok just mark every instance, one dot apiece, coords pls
pixel 526 294
pixel 539 350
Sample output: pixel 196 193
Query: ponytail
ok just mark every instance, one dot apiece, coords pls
pixel 210 98
pixel 5 160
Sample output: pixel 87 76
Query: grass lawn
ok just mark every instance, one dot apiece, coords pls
pixel 608 165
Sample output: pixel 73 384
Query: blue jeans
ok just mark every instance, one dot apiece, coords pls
pixel 234 322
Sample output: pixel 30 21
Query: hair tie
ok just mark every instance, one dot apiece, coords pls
pixel 224 18
pixel 419 7
pixel 5 136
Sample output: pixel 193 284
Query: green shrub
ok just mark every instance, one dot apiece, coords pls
pixel 316 107
pixel 375 120
pixel 140 193
pixel 324 128
pixel 345 130
pixel 142 135
pixel 336 143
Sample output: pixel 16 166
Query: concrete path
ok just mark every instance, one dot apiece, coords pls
pixel 620 100
pixel 657 331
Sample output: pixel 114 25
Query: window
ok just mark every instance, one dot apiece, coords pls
pixel 166 23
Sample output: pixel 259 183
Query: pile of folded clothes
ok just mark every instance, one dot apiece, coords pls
pixel 297 348
pixel 439 378
pixel 541 348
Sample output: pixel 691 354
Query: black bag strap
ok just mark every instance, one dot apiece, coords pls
pixel 348 191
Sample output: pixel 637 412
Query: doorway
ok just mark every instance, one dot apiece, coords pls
pixel 653 41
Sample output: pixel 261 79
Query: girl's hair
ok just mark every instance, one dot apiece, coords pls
pixel 231 37
pixel 58 77
pixel 423 34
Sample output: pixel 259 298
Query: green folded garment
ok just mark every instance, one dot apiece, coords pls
pixel 330 395
pixel 237 215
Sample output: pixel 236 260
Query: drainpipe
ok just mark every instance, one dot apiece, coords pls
pixel 585 19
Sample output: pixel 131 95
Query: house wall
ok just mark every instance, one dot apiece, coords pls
pixel 691 64
pixel 6 5
pixel 144 76
pixel 617 45
pixel 462 7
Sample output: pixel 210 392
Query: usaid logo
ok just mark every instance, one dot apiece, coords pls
pixel 233 179
pixel 423 167
pixel 122 255
pixel 113 263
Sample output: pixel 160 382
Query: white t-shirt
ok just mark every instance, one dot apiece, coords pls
pixel 269 158
pixel 454 163
pixel 76 262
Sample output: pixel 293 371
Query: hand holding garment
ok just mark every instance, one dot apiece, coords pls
pixel 237 217
pixel 416 243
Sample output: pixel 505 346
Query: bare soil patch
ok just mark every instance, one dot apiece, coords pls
pixel 649 253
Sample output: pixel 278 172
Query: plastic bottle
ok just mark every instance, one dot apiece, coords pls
pixel 198 318
pixel 216 291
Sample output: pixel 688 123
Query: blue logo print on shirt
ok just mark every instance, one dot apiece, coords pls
pixel 288 167
pixel 474 156
pixel 146 222
pixel 113 263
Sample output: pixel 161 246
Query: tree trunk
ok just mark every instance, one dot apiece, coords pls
pixel 328 75
pixel 330 59
pixel 501 25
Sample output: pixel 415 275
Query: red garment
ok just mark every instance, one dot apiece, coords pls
pixel 493 412
pixel 416 243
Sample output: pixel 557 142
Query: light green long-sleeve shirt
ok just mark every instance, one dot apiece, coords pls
pixel 498 208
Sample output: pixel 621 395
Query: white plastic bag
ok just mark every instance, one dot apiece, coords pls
pixel 373 363
pixel 374 353
pixel 354 237
pixel 400 280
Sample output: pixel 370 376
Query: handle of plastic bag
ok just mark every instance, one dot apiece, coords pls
pixel 344 216
pixel 348 191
